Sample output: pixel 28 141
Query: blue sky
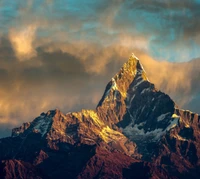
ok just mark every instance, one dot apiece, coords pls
pixel 166 25
pixel 56 51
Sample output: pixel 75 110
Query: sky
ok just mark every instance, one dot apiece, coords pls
pixel 62 53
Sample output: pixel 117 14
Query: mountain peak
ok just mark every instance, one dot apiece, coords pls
pixel 128 72
pixel 130 67
pixel 119 85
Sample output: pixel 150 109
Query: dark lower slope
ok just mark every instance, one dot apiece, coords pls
pixel 16 169
pixel 83 162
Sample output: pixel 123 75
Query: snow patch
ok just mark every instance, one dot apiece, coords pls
pixel 172 124
pixel 114 85
pixel 43 125
pixel 154 108
pixel 139 134
pixel 133 56
pixel 144 90
pixel 161 117
pixel 142 109
pixel 129 100
pixel 136 133
pixel 137 84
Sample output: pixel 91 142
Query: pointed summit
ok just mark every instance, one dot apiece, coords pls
pixel 117 92
pixel 128 73
pixel 122 80
pixel 130 69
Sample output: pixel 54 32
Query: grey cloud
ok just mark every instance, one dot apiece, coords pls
pixel 179 15
pixel 163 5
pixel 59 81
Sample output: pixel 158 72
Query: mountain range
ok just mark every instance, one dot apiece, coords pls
pixel 136 131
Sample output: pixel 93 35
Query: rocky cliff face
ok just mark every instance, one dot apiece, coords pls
pixel 136 131
pixel 132 102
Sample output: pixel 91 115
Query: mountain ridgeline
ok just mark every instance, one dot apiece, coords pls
pixel 136 131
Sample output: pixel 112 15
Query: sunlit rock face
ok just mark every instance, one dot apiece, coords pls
pixel 132 102
pixel 136 131
pixel 75 128
pixel 114 101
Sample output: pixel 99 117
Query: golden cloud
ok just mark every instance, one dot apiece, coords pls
pixel 22 42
